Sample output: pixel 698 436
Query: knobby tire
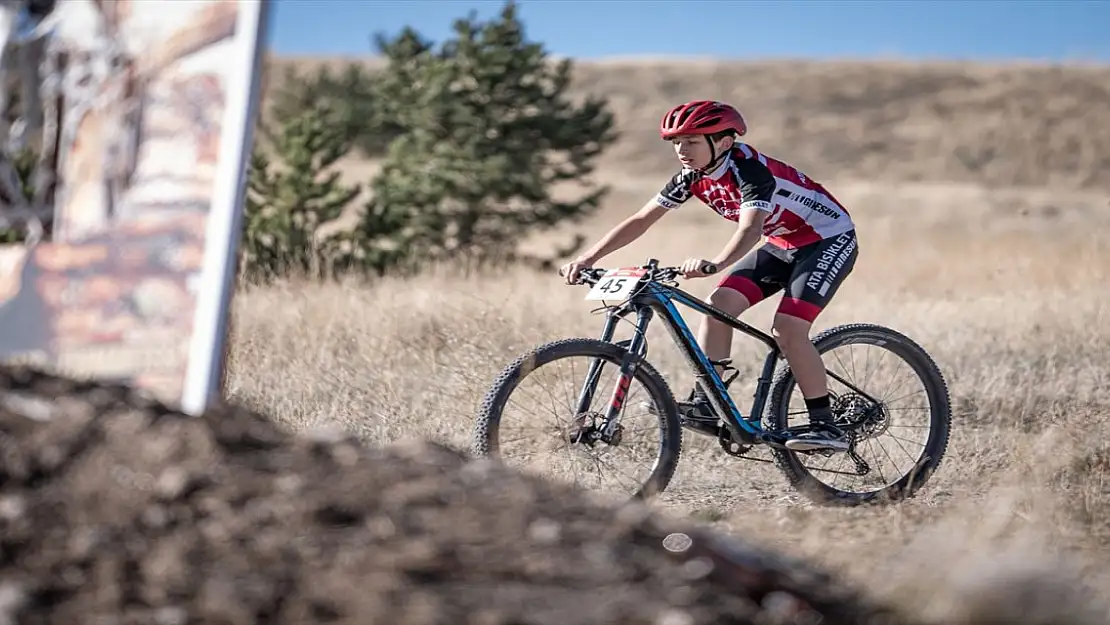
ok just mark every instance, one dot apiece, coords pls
pixel 485 436
pixel 940 417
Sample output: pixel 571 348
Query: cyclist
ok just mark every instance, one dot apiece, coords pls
pixel 810 248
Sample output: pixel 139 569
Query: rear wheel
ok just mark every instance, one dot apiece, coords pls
pixel 897 442
pixel 642 455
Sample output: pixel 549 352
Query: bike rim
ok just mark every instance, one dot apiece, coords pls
pixel 538 422
pixel 893 441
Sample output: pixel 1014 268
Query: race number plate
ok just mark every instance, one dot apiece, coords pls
pixel 616 284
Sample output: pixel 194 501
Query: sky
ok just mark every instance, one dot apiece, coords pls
pixel 987 30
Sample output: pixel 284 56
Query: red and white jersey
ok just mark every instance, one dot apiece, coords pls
pixel 800 210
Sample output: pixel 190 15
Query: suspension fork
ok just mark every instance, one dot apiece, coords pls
pixel 629 361
pixel 627 366
pixel 586 395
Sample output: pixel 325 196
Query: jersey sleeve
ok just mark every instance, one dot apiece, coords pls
pixel 676 191
pixel 757 185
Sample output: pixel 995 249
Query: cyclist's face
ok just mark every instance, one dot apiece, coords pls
pixel 693 150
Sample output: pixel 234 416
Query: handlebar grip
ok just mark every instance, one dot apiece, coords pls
pixel 709 268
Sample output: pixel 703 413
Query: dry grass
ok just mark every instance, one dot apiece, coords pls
pixel 1005 288
pixel 1015 315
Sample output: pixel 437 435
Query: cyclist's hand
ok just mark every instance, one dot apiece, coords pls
pixel 570 270
pixel 696 268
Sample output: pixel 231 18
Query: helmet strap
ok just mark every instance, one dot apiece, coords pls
pixel 714 158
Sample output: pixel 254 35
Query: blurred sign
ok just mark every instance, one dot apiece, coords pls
pixel 134 284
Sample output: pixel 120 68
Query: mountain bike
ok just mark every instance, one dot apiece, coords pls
pixel 650 290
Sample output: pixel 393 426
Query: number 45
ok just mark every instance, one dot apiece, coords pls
pixel 616 284
pixel 612 285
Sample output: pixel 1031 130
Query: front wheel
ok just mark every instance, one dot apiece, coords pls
pixel 899 430
pixel 641 455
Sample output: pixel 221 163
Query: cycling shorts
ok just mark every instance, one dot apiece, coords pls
pixel 810 275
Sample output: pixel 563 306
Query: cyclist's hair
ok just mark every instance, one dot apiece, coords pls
pixel 717 136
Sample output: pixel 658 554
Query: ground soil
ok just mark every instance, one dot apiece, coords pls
pixel 115 509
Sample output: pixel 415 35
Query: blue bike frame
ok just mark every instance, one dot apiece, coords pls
pixel 654 297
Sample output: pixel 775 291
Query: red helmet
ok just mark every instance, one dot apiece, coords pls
pixel 702 117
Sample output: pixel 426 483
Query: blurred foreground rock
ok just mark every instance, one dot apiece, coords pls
pixel 115 509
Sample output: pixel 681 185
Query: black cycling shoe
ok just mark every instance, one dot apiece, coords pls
pixel 696 414
pixel 824 436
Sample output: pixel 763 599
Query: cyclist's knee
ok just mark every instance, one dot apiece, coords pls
pixel 790 330
pixel 729 300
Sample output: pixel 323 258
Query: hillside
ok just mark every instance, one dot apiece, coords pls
pixel 995 283
pixel 997 125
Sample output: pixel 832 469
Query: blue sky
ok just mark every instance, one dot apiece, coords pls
pixel 1060 30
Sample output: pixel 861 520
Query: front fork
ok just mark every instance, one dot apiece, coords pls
pixel 635 350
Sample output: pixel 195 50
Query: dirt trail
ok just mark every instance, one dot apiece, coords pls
pixel 115 509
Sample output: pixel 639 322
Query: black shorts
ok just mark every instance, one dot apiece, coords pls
pixel 810 275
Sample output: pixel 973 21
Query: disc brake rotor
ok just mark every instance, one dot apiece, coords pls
pixel 860 416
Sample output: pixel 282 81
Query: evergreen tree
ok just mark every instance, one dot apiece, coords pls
pixel 349 95
pixel 477 133
pixel 387 92
pixel 287 205
pixel 486 131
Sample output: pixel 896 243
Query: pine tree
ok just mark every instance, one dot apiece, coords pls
pixel 287 205
pixel 348 93
pixel 486 131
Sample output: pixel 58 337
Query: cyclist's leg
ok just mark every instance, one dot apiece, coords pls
pixel 756 276
pixel 817 275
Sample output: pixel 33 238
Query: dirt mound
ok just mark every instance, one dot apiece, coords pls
pixel 115 509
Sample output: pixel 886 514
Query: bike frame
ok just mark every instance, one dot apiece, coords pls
pixel 658 298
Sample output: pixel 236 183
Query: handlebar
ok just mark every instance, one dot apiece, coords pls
pixel 591 275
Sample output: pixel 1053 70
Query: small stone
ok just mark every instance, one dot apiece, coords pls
pixel 545 531
pixel 697 568
pixel 12 507
pixel 12 598
pixel 170 615
pixel 677 542
pixel 674 617
pixel 172 482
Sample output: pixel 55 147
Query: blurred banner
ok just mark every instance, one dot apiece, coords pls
pixel 134 283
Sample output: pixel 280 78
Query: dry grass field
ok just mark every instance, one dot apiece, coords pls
pixel 999 269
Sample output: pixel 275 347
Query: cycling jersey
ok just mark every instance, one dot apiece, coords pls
pixel 801 210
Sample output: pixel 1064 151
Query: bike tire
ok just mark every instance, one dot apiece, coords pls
pixel 485 435
pixel 940 418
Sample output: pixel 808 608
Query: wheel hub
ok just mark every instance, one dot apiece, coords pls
pixel 586 431
pixel 859 415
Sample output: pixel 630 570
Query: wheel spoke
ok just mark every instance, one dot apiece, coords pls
pixel 638 462
pixel 878 426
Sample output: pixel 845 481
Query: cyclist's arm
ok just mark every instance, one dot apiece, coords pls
pixel 749 228
pixel 671 196
pixel 757 188
pixel 627 231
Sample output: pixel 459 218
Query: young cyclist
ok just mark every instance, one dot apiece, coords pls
pixel 810 248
